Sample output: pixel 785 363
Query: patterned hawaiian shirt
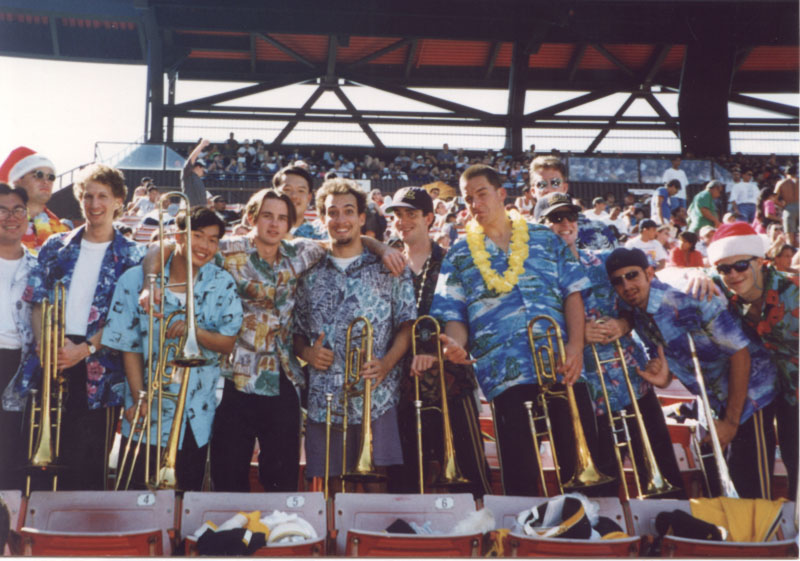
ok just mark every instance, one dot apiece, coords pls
pixel 498 332
pixel 459 378
pixel 602 301
pixel 595 235
pixel 717 335
pixel 105 381
pixel 40 227
pixel 311 230
pixel 21 313
pixel 268 292
pixel 217 309
pixel 327 301
pixel 777 326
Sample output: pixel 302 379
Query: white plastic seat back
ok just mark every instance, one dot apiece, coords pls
pixel 13 500
pixel 506 508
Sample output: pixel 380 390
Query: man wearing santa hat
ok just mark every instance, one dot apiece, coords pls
pixel 35 173
pixel 767 301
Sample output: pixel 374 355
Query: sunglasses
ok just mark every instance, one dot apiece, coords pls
pixel 39 174
pixel 630 275
pixel 559 218
pixel 555 183
pixel 739 267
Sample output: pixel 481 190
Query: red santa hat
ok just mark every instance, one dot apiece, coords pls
pixel 737 238
pixel 20 161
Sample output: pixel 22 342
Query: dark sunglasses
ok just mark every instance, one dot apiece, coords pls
pixel 559 218
pixel 555 183
pixel 739 267
pixel 630 275
pixel 39 174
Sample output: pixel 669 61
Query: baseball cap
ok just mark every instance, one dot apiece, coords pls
pixel 217 199
pixel 647 223
pixel 598 200
pixel 552 202
pixel 412 197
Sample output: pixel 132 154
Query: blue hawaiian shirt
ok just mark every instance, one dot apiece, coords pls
pixel 595 235
pixel 217 309
pixel 327 301
pixel 498 323
pixel 777 325
pixel 105 380
pixel 717 335
pixel 603 301
pixel 311 230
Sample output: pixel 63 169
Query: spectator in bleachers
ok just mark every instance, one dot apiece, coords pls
pixel 743 197
pixel 616 220
pixel 647 241
pixel 35 173
pixel 703 211
pixel 686 254
pixel 661 202
pixel 675 172
pixel 787 191
pixel 192 175
pixel 767 211
pixel 705 235
pixel 146 204
pixel 231 146
pixel 598 210
pixel 782 258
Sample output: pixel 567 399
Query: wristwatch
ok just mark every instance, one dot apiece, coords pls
pixel 92 348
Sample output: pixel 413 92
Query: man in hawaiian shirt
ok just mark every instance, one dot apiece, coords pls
pixel 487 314
pixel 218 316
pixel 16 335
pixel 88 261
pixel 296 182
pixel 413 211
pixel 740 378
pixel 346 284
pixel 549 174
pixel 767 301
pixel 35 173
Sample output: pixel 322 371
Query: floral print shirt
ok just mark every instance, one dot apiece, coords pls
pixel 41 227
pixel 311 230
pixel 105 381
pixel 717 335
pixel 217 309
pixel 594 235
pixel 777 324
pixel 268 293
pixel 498 323
pixel 328 299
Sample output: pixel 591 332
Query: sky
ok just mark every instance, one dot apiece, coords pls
pixel 61 109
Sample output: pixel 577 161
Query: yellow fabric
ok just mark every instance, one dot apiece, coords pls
pixel 615 536
pixel 747 520
pixel 497 543
pixel 254 523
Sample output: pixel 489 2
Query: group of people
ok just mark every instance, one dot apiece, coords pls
pixel 275 308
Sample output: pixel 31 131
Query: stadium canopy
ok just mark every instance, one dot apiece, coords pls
pixel 707 52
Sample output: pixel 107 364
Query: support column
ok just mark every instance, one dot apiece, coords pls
pixel 172 79
pixel 516 97
pixel 155 78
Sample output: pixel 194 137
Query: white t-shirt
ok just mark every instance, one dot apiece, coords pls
pixel 592 215
pixel 680 175
pixel 744 193
pixel 9 336
pixel 84 282
pixel 343 262
pixel 654 250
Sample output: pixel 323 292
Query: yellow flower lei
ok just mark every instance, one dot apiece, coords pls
pixel 516 261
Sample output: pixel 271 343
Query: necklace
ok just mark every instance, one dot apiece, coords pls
pixel 516 260
pixel 422 283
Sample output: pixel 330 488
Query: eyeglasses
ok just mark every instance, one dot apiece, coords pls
pixel 559 218
pixel 739 267
pixel 630 275
pixel 39 174
pixel 18 212
pixel 555 183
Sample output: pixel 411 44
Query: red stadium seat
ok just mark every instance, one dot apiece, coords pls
pixel 360 521
pixel 13 500
pixel 87 523
pixel 219 507
pixel 644 512
pixel 506 509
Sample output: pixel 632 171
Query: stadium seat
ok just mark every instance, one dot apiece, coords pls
pixel 219 507
pixel 90 523
pixel 13 500
pixel 644 512
pixel 361 520
pixel 506 509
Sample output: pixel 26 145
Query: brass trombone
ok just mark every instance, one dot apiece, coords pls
pixel 450 474
pixel 586 473
pixel 186 354
pixel 656 483
pixel 725 481
pixel 44 435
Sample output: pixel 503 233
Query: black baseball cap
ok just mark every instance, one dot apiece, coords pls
pixel 552 202
pixel 412 197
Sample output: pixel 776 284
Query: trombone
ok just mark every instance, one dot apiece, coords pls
pixel 450 474
pixel 44 435
pixel 726 483
pixel 586 473
pixel 656 483
pixel 186 354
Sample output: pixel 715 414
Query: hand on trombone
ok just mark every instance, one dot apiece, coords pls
pixel 605 330
pixel 71 354
pixel 451 351
pixel 144 300
pixel 318 355
pixel 375 370
pixel 726 432
pixel 573 363
pixel 130 412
